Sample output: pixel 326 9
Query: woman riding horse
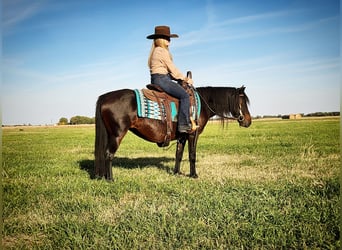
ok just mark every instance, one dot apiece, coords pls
pixel 163 72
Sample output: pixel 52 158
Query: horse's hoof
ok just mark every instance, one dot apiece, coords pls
pixel 101 178
pixel 98 177
pixel 194 176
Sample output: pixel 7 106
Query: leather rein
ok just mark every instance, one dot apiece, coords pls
pixel 240 118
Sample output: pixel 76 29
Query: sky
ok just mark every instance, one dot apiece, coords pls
pixel 58 56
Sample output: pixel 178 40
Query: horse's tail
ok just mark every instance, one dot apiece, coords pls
pixel 101 140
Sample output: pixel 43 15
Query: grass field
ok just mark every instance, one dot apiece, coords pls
pixel 274 185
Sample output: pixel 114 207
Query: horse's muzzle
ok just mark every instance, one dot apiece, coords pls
pixel 244 121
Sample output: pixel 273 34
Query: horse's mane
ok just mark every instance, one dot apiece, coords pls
pixel 224 101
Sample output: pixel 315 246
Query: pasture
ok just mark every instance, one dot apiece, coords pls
pixel 273 185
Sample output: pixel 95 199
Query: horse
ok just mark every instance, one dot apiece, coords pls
pixel 116 114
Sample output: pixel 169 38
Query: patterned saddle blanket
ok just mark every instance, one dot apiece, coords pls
pixel 160 106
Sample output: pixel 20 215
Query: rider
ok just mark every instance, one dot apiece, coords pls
pixel 163 72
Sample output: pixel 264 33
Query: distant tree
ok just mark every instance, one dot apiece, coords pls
pixel 316 114
pixel 76 120
pixel 81 120
pixel 63 121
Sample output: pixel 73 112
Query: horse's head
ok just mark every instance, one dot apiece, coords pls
pixel 241 111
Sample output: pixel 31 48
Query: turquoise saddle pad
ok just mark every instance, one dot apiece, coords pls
pixel 153 110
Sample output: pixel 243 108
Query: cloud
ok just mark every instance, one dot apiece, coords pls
pixel 215 30
pixel 104 74
pixel 17 11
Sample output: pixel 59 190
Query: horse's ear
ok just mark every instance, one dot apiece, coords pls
pixel 242 89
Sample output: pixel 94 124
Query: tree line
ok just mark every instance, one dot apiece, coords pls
pixel 76 120
pixel 315 114
pixel 323 114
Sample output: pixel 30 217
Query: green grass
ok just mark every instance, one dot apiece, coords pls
pixel 273 185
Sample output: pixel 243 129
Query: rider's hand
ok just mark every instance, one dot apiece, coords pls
pixel 189 81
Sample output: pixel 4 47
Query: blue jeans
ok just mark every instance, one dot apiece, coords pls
pixel 174 89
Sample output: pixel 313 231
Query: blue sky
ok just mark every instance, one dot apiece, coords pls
pixel 59 56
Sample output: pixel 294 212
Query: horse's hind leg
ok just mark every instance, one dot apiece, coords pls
pixel 179 154
pixel 113 145
pixel 108 166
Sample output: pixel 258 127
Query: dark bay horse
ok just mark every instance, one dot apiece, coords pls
pixel 116 113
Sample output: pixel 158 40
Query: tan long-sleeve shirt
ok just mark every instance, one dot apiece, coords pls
pixel 161 63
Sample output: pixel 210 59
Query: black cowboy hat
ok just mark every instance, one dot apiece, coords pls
pixel 161 32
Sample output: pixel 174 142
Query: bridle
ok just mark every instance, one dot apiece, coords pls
pixel 241 116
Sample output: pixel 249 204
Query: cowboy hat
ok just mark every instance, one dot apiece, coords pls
pixel 161 32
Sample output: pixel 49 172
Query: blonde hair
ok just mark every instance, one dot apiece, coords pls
pixel 158 42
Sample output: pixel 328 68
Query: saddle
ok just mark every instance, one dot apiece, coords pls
pixel 164 100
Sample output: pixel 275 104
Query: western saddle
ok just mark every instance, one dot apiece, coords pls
pixel 155 93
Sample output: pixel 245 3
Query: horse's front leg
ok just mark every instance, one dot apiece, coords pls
pixel 179 154
pixel 192 154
